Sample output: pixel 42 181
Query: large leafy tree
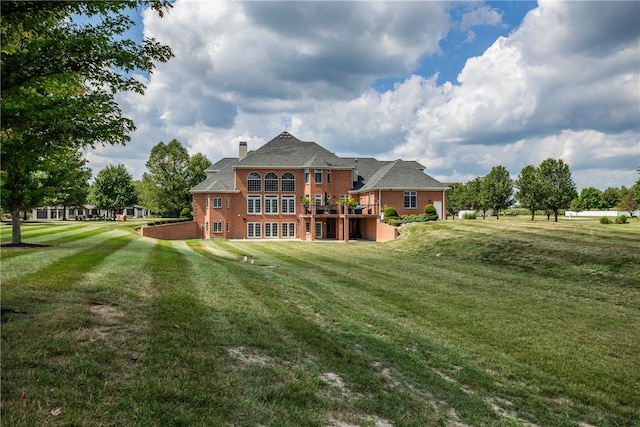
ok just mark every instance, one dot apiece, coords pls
pixel 67 182
pixel 113 190
pixel 59 78
pixel 610 198
pixel 498 189
pixel 558 186
pixel 590 198
pixel 456 198
pixel 171 174
pixel 529 189
pixel 476 197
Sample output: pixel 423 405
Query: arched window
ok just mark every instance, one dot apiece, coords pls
pixel 271 182
pixel 288 182
pixel 254 182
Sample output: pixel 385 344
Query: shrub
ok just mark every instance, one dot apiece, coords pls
pixel 186 213
pixel 430 213
pixel 604 220
pixel 470 215
pixel 390 211
pixel 622 219
pixel 394 221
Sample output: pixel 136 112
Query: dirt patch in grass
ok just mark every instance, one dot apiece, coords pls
pixel 108 313
pixel 241 354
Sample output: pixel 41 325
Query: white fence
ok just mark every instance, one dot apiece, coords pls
pixel 571 214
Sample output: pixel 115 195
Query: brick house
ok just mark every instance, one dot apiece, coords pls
pixel 290 189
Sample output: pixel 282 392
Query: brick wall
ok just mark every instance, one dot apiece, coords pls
pixel 177 231
pixel 385 232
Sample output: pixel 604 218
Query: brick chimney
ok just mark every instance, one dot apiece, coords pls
pixel 242 152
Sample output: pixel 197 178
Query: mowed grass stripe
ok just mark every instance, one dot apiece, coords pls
pixel 63 271
pixel 500 321
pixel 289 314
pixel 19 262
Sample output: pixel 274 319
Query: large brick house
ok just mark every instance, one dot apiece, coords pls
pixel 296 189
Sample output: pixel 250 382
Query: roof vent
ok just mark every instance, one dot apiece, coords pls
pixel 285 135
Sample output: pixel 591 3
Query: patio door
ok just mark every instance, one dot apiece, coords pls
pixel 318 230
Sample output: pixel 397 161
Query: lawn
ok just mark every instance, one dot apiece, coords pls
pixel 457 323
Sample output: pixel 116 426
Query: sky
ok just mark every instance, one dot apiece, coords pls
pixel 460 87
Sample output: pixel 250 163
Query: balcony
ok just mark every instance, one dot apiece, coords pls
pixel 337 210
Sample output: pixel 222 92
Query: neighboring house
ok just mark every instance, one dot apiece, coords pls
pixel 85 212
pixel 290 189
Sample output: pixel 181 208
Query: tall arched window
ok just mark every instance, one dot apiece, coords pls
pixel 271 182
pixel 288 182
pixel 254 182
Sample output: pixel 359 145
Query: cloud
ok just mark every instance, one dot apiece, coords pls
pixel 564 83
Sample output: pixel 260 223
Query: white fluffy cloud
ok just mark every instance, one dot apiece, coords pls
pixel 565 83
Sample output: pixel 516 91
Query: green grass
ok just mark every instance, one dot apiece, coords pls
pixel 467 323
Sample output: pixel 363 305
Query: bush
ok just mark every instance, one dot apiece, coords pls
pixel 394 221
pixel 186 213
pixel 430 213
pixel 622 219
pixel 604 220
pixel 470 215
pixel 389 211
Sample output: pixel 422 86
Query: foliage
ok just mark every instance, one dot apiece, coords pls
pixel 557 184
pixel 113 190
pixel 529 189
pixel 610 198
pixel 67 180
pixel 61 73
pixel 476 196
pixel 605 220
pixel 393 221
pixel 628 204
pixel 470 215
pixel 455 198
pixel 390 213
pixel 590 198
pixel 186 213
pixel 171 175
pixel 498 189
pixel 621 219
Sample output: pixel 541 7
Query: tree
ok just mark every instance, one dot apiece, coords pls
pixel 476 196
pixel 529 185
pixel 67 182
pixel 171 174
pixel 455 198
pixel 113 190
pixel 610 198
pixel 590 198
pixel 558 186
pixel 59 79
pixel 195 169
pixel 498 188
pixel 628 204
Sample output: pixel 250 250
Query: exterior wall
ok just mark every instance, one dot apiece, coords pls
pixel 57 213
pixel 385 232
pixel 396 200
pixel 177 231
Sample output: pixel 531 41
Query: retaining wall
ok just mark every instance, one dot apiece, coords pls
pixel 177 231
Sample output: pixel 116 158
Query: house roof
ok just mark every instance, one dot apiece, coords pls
pixel 399 175
pixel 287 151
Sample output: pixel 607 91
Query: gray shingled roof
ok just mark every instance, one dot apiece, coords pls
pixel 399 175
pixel 285 150
pixel 218 182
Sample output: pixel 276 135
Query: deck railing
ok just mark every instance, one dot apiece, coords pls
pixel 337 209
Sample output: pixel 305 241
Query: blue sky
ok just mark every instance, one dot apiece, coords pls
pixel 459 86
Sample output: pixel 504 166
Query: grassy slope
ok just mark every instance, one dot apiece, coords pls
pixel 456 323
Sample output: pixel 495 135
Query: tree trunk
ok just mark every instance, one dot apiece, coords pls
pixel 16 234
pixel 555 215
pixel 533 214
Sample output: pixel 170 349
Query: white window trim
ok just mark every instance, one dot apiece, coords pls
pixel 268 205
pixel 251 205
pixel 217 202
pixel 288 205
